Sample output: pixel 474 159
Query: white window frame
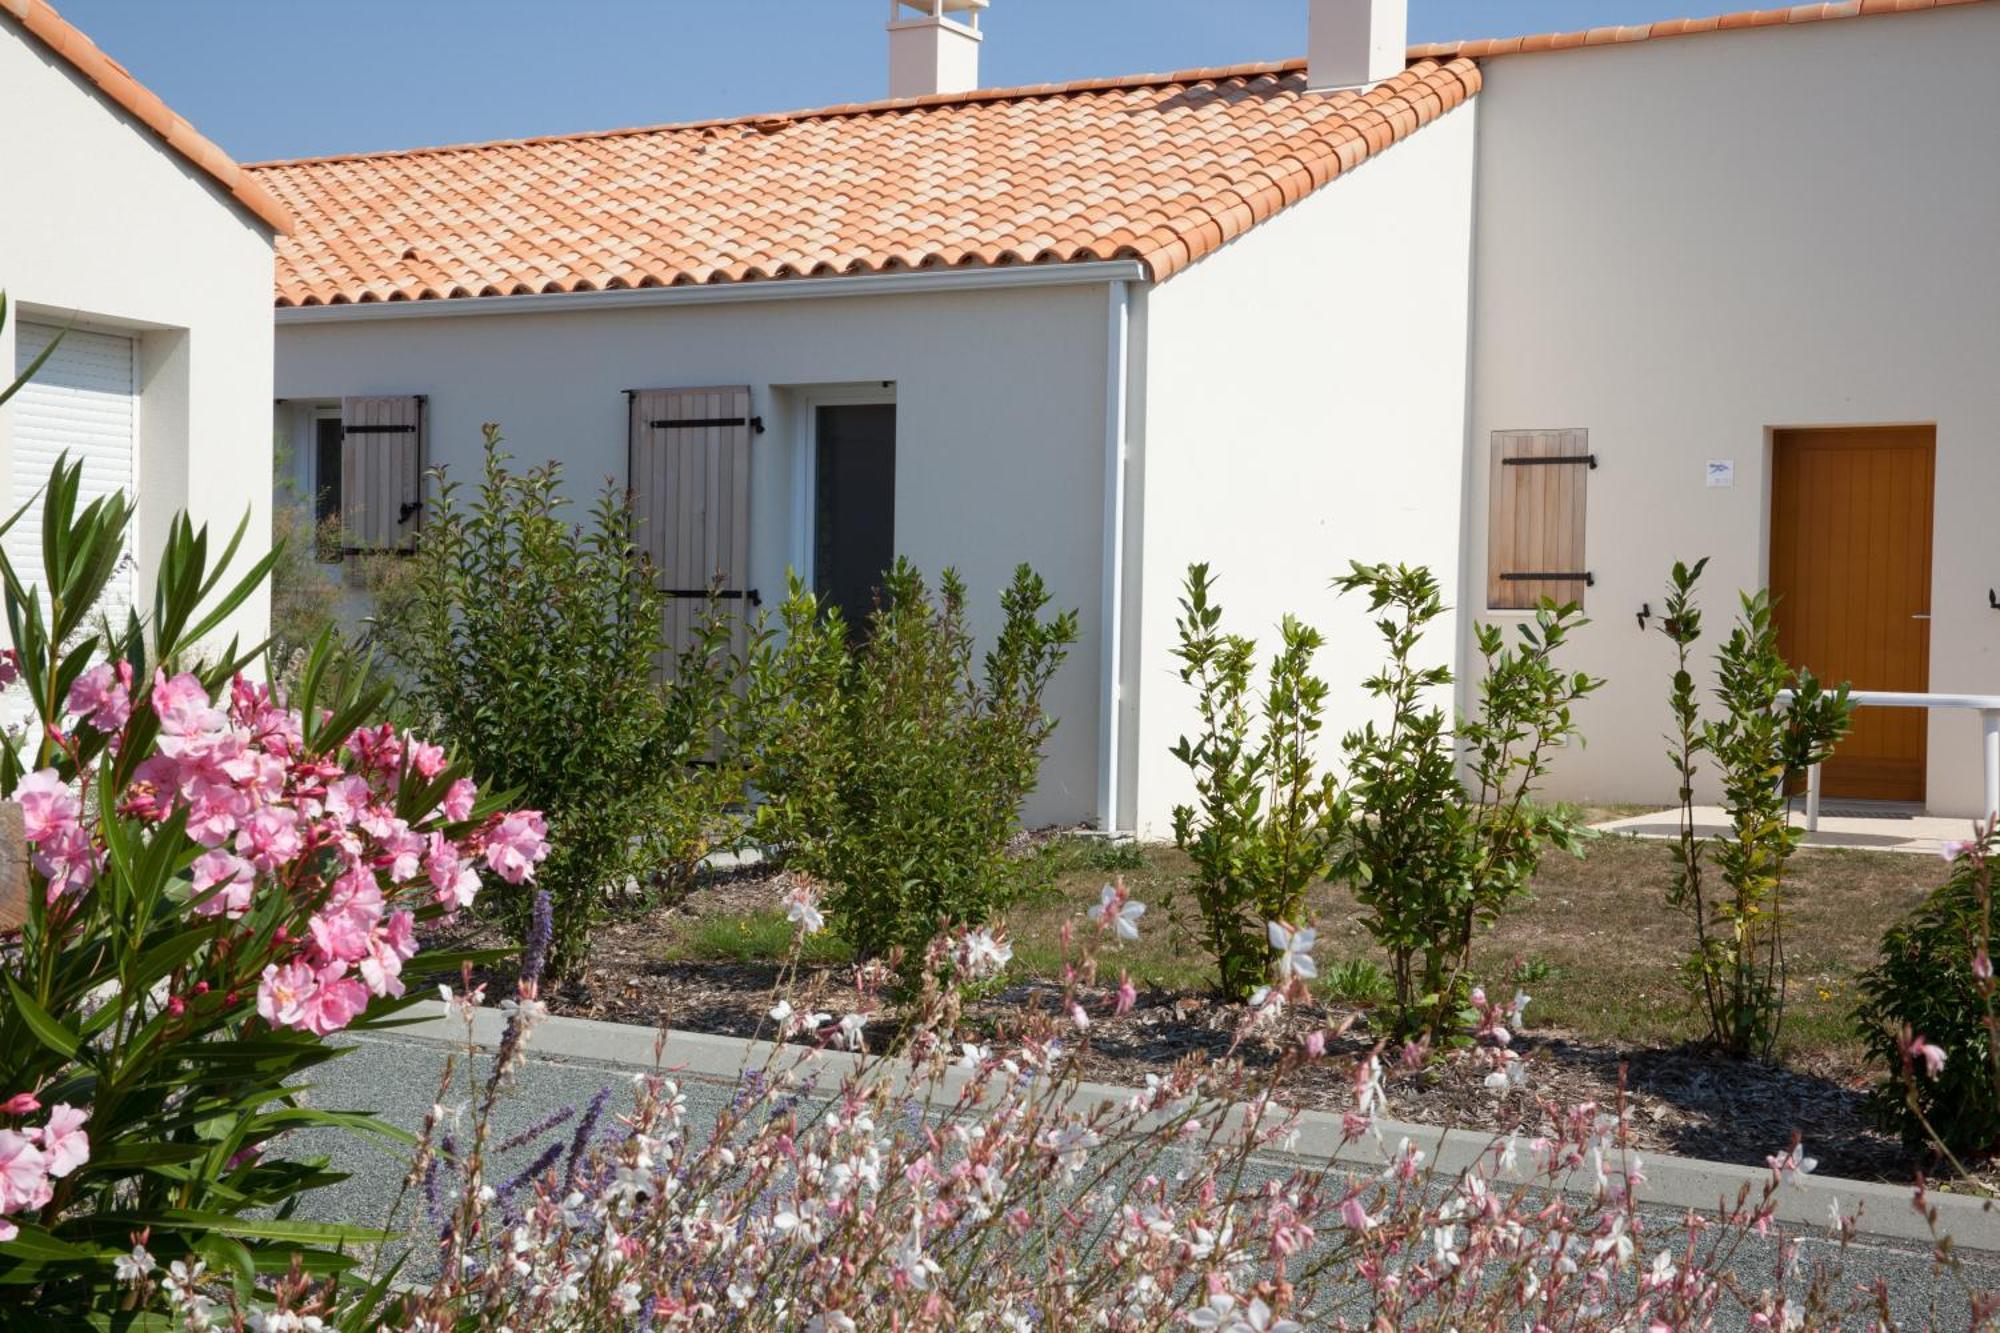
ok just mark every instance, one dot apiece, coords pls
pixel 805 469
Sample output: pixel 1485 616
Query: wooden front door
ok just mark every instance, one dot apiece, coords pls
pixel 1851 578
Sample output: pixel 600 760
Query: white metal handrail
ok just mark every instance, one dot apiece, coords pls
pixel 1986 705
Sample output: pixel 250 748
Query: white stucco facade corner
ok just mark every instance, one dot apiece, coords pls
pixel 1685 245
pixel 107 228
pixel 1304 406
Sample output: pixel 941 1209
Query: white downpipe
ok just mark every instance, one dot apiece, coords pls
pixel 1117 375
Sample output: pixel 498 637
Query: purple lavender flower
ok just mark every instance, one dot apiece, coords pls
pixel 535 953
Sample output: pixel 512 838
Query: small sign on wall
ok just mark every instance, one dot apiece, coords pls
pixel 1721 472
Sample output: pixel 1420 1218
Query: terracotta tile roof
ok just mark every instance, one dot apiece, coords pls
pixel 1160 168
pixel 1757 18
pixel 115 82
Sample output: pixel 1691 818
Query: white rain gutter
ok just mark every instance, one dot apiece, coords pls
pixel 1117 271
pixel 1117 378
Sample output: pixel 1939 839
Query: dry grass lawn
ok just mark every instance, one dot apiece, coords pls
pixel 1596 945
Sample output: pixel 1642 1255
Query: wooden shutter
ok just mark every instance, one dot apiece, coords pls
pixel 1535 522
pixel 381 473
pixel 690 481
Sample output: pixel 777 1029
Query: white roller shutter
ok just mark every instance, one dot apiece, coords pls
pixel 83 402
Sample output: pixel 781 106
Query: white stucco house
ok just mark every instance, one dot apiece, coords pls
pixel 1543 315
pixel 151 251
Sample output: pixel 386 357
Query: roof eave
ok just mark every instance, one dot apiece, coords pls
pixel 923 282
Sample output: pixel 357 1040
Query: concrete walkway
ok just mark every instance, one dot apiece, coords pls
pixel 1887 830
pixel 572 1059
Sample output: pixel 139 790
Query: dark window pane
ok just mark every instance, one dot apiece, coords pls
pixel 854 505
pixel 326 484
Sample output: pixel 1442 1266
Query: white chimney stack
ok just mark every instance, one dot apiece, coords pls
pixel 933 46
pixel 1353 43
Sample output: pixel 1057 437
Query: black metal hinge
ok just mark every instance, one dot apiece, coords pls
pixel 379 430
pixel 1589 579
pixel 756 424
pixel 751 596
pixel 1591 459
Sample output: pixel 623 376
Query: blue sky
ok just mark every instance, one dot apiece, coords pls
pixel 287 78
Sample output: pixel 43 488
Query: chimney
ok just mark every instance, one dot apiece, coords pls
pixel 1353 43
pixel 933 46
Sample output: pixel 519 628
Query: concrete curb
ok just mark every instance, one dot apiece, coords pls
pixel 1671 1182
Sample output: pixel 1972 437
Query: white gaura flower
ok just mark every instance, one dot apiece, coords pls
pixel 1294 946
pixel 982 954
pixel 853 1032
pixel 1221 1314
pixel 802 910
pixel 1118 912
pixel 135 1266
pixel 832 1321
pixel 1663 1270
pixel 971 1055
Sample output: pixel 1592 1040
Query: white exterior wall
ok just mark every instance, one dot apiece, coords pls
pixel 1685 243
pixel 106 227
pixel 999 394
pixel 1304 406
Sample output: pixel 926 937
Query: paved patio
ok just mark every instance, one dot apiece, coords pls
pixel 1879 828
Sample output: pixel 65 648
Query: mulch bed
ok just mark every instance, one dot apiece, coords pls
pixel 1688 1100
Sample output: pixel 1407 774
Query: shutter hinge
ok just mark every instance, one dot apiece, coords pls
pixel 1591 459
pixel 756 424
pixel 1588 579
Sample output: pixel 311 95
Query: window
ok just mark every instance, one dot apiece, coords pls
pixel 854 505
pixel 1535 522
pixel 326 483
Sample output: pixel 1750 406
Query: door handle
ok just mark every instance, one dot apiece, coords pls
pixel 1921 615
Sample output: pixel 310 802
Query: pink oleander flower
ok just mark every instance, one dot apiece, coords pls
pixel 63 1140
pixel 452 876
pixel 393 943
pixel 282 994
pixel 425 759
pixel 458 800
pixel 102 696
pixel 233 873
pixel 335 1001
pixel 10 667
pixel 24 1173
pixel 48 806
pixel 515 843
pixel 21 1103
pixel 186 715
pixel 270 838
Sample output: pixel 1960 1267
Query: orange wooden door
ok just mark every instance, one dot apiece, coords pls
pixel 1851 576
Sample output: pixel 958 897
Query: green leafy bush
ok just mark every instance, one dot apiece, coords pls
pixel 533 643
pixel 1935 981
pixel 1763 737
pixel 1264 822
pixel 889 770
pixel 1432 856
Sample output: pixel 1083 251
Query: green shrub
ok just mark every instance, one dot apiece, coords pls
pixel 1929 983
pixel 534 644
pixel 1433 854
pixel 889 770
pixel 1762 738
pixel 1357 981
pixel 1264 821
